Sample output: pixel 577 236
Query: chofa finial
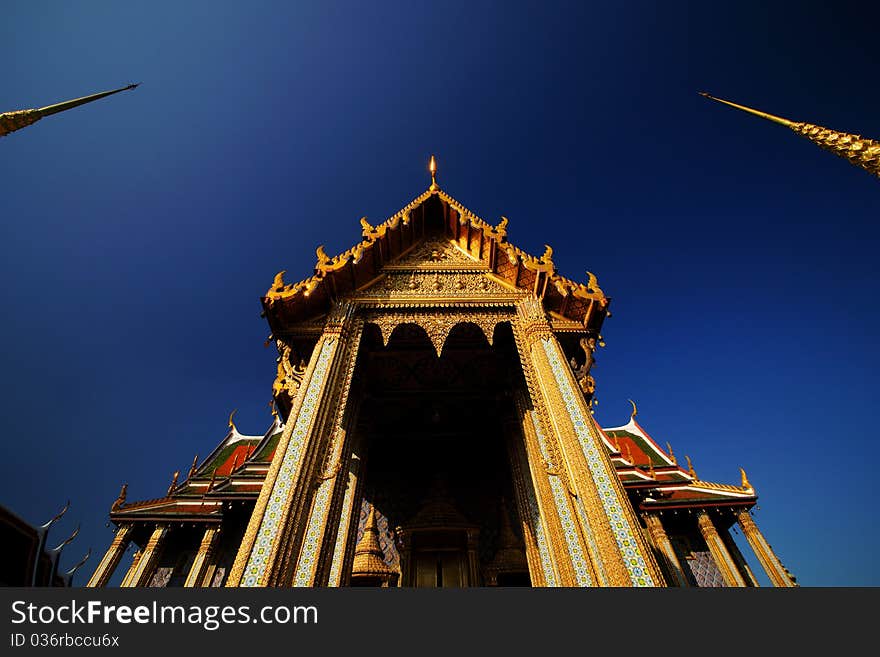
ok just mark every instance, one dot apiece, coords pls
pixel 635 410
pixel 432 167
pixel 173 482
pixel 745 479
pixel 231 423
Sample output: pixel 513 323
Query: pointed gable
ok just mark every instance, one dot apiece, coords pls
pixel 432 234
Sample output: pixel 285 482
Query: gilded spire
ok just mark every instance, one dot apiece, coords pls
pixel 368 556
pixel 864 153
pixel 15 120
pixel 432 167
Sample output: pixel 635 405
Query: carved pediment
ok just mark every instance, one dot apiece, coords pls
pixel 435 254
pixel 419 283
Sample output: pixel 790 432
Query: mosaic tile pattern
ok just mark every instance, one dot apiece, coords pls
pixel 312 541
pixel 591 540
pixel 704 570
pixel 342 533
pixel 290 466
pixel 634 561
pixel 569 530
pixel 540 535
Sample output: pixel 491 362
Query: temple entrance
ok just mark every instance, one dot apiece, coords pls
pixel 434 432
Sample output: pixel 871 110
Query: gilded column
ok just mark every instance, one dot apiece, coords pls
pixel 321 527
pixel 135 558
pixel 260 559
pixel 538 551
pixel 738 558
pixel 111 559
pixel 777 573
pixel 621 551
pixel 722 557
pixel 571 565
pixel 664 546
pixel 346 528
pixel 142 569
pixel 199 567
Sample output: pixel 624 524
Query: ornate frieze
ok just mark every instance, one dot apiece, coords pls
pixel 438 324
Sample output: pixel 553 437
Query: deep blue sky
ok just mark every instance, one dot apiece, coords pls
pixel 139 232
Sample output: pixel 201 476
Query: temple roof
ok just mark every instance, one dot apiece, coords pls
pixel 644 466
pixel 235 469
pixel 481 247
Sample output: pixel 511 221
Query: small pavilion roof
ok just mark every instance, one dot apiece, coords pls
pixel 643 465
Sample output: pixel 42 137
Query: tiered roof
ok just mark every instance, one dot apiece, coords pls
pixel 644 466
pixel 235 470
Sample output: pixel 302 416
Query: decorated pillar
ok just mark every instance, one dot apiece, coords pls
pixel 328 502
pixel 196 576
pixel 142 568
pixel 738 558
pixel 135 558
pixel 718 549
pixel 565 544
pixel 269 542
pixel 621 553
pixel 777 573
pixel 111 559
pixel 539 556
pixel 664 547
pixel 347 529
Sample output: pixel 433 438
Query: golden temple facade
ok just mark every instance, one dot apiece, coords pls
pixel 433 428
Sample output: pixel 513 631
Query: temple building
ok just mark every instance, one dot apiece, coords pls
pixel 433 428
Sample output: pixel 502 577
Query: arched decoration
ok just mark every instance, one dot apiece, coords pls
pixel 437 326
pixel 468 334
pixel 405 331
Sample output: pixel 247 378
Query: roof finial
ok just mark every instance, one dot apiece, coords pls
pixel 432 167
pixel 173 482
pixel 691 470
pixel 671 454
pixel 231 423
pixel 745 479
pixel 635 410
pixel 119 501
pixel 192 468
